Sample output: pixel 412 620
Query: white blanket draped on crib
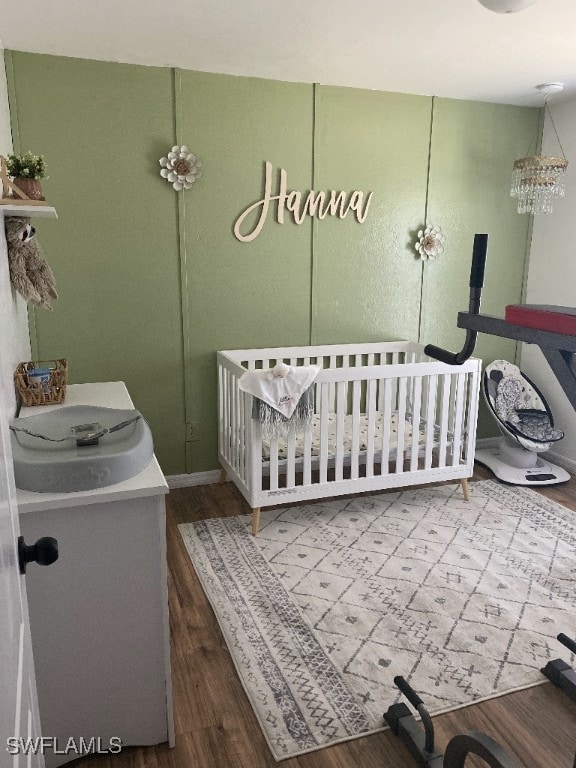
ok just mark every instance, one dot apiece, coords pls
pixel 284 397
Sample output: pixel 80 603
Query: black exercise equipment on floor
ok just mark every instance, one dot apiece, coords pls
pixel 561 674
pixel 419 737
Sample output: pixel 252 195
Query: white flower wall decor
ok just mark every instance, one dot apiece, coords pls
pixel 430 243
pixel 181 167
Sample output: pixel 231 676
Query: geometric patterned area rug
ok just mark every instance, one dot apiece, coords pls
pixel 333 599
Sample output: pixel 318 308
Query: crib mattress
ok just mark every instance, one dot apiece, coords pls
pixel 347 441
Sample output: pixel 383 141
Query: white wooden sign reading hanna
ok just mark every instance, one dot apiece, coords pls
pixel 319 204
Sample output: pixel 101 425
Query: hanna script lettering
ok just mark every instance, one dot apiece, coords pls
pixel 319 204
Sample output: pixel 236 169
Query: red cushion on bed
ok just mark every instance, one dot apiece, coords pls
pixel 544 318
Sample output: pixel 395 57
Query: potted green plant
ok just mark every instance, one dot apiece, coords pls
pixel 26 171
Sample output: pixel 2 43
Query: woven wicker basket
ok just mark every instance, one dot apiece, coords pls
pixel 53 391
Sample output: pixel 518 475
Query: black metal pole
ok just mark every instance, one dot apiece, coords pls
pixel 476 284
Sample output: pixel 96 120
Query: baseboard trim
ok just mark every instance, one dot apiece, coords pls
pixel 193 478
pixel 563 461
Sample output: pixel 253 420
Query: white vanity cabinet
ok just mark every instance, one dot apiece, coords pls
pixel 99 614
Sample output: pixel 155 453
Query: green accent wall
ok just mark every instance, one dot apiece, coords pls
pixel 152 283
pixel 114 247
pixel 366 277
pixel 240 295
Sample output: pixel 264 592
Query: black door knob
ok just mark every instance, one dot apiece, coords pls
pixel 43 552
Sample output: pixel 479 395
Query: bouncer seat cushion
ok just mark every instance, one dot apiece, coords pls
pixel 535 425
pixel 519 407
pixel 508 395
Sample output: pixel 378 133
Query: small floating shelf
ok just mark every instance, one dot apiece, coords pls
pixel 31 211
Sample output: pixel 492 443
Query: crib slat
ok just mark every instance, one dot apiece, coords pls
pixel 221 419
pixel 227 413
pixel 430 419
pixel 371 400
pixel 239 434
pixel 411 358
pixel 473 386
pixel 239 438
pixel 444 419
pixel 273 463
pixel 346 365
pixel 231 418
pixel 340 415
pixel 386 385
pixel 224 414
pixel 458 416
pixel 332 390
pixel 255 455
pixel 354 459
pixel 416 400
pixel 307 457
pixel 234 428
pixel 452 408
pixel 324 413
pixel 401 424
pixel 318 399
pixel 236 424
pixel 291 465
pixel 243 398
pixel 232 458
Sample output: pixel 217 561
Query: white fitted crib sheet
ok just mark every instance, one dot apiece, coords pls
pixel 347 441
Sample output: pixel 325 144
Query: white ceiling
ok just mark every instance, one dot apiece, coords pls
pixel 453 48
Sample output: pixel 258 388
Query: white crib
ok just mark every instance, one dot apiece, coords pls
pixel 386 416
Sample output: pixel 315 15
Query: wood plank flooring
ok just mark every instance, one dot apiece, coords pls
pixel 215 724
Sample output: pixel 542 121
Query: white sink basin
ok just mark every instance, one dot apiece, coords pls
pixel 112 445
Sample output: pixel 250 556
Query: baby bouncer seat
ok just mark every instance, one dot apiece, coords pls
pixel 525 420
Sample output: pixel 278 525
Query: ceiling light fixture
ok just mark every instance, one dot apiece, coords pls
pixel 506 6
pixel 537 179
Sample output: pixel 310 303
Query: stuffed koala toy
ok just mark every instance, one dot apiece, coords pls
pixel 29 273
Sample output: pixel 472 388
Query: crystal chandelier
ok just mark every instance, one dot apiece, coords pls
pixel 537 180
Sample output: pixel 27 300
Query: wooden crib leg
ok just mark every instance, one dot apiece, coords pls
pixel 255 520
pixel 222 476
pixel 465 489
